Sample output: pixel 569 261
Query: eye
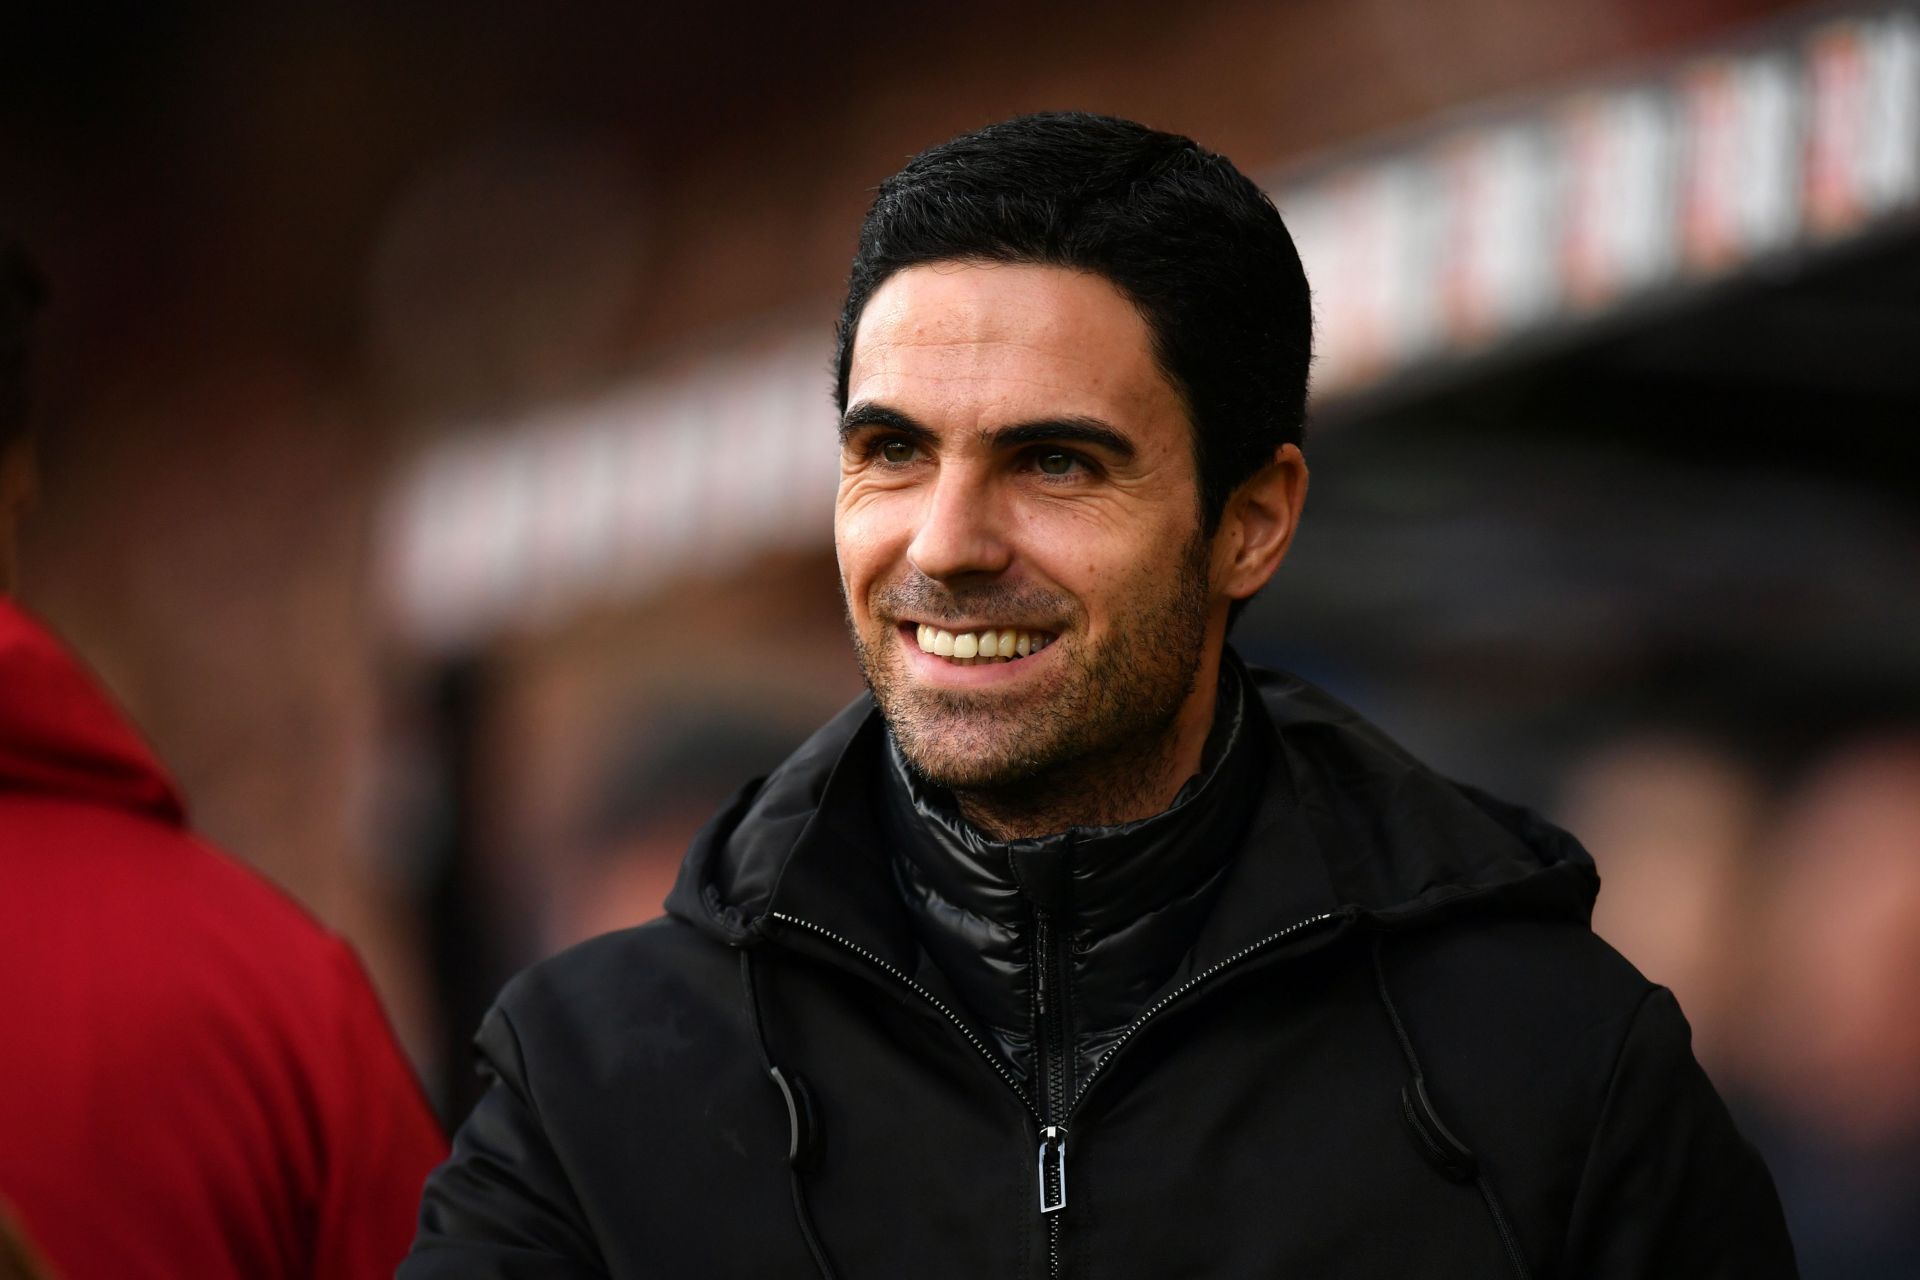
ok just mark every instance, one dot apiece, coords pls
pixel 1052 462
pixel 896 451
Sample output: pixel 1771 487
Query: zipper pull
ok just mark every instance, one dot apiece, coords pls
pixel 1053 1171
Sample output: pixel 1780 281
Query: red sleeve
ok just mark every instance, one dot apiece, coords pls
pixel 380 1139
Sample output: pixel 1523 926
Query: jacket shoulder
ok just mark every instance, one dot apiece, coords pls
pixel 1572 1078
pixel 1518 962
pixel 1540 1006
pixel 190 923
pixel 625 1088
pixel 125 932
pixel 602 971
pixel 653 998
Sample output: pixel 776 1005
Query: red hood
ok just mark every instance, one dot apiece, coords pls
pixel 59 733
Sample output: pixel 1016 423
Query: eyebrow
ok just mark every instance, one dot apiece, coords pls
pixel 1069 428
pixel 862 416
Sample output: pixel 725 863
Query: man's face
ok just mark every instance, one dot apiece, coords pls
pixel 1018 474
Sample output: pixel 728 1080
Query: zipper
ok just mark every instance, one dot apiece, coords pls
pixel 1056 1055
pixel 1133 1029
pixel 1054 1042
pixel 1052 1163
pixel 992 1059
pixel 1238 957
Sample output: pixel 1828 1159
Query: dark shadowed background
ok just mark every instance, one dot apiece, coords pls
pixel 437 452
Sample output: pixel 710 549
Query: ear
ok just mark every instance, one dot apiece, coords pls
pixel 1258 525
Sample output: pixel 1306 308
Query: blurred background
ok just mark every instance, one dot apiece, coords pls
pixel 437 450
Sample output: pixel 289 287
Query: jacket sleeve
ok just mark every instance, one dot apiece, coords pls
pixel 1670 1187
pixel 502 1207
pixel 382 1137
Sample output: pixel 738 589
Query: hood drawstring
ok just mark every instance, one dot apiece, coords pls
pixel 1445 1152
pixel 803 1131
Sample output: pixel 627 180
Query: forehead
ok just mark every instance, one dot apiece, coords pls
pixel 971 343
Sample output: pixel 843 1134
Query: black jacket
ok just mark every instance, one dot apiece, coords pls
pixel 1394 1048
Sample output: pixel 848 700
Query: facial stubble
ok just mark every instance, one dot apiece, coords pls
pixel 1092 745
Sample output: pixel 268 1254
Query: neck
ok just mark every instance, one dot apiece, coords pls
pixel 1130 781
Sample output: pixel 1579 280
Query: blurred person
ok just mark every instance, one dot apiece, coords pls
pixel 662 783
pixel 1839 996
pixel 196 1078
pixel 1671 821
pixel 1077 947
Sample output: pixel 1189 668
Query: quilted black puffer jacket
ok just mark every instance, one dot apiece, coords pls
pixel 1388 1044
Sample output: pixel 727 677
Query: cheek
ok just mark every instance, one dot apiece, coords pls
pixel 863 542
pixel 1109 560
pixel 878 515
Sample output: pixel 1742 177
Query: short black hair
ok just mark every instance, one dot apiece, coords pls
pixel 1194 243
pixel 22 293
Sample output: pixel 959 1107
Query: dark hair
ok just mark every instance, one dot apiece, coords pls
pixel 1189 239
pixel 21 294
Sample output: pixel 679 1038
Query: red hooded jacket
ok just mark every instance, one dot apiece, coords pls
pixel 195 1077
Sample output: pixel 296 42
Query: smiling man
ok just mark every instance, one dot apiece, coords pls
pixel 1038 598
pixel 1079 948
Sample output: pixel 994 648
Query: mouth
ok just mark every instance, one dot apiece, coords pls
pixel 977 646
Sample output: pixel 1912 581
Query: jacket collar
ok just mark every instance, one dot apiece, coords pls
pixel 1096 879
pixel 1345 822
pixel 1123 903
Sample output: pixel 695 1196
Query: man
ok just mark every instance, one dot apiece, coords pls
pixel 195 1077
pixel 1080 949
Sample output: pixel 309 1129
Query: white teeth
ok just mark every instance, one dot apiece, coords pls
pixel 970 648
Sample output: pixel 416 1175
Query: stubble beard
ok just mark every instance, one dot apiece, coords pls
pixel 1093 746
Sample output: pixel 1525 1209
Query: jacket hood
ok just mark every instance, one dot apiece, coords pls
pixel 61 736
pixel 1349 824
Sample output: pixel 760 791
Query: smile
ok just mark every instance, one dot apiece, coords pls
pixel 988 645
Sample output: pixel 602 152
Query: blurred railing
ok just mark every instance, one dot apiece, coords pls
pixel 1449 243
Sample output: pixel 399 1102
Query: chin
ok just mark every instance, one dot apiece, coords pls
pixel 949 752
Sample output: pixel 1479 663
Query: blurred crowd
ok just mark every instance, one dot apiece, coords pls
pixel 1785 915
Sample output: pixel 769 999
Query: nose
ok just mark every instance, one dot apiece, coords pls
pixel 961 533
